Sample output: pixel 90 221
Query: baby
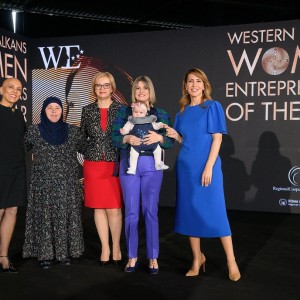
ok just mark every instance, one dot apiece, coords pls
pixel 138 124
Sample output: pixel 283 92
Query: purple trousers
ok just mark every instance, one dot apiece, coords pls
pixel 141 190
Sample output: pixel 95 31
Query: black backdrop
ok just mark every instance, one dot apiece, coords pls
pixel 254 72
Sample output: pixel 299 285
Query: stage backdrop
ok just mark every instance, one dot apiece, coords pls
pixel 254 72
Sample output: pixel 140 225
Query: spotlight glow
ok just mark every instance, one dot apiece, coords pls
pixel 14 18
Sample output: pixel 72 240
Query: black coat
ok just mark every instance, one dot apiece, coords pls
pixel 98 145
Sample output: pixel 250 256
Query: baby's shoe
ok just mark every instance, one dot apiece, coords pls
pixel 131 171
pixel 161 166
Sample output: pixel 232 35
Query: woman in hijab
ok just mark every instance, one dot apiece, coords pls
pixel 53 219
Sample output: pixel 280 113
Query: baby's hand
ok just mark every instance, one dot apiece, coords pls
pixel 161 125
pixel 122 131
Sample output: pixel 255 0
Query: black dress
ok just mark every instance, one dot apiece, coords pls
pixel 12 158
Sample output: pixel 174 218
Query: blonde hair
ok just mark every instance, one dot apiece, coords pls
pixel 103 74
pixel 148 84
pixel 186 99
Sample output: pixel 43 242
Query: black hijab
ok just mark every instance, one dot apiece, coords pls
pixel 53 133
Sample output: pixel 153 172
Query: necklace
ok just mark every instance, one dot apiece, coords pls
pixel 7 107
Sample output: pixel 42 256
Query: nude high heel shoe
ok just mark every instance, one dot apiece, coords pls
pixel 234 273
pixel 195 272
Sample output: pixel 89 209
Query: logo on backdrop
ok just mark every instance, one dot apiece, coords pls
pixel 294 179
pixel 283 202
pixel 61 56
pixel 275 61
pixel 289 202
pixel 292 175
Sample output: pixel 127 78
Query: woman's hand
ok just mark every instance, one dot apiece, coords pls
pixel 172 133
pixel 132 140
pixel 206 176
pixel 152 137
pixel 214 151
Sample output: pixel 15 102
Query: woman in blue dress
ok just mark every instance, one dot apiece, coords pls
pixel 200 204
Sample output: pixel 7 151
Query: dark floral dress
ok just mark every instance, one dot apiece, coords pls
pixel 53 217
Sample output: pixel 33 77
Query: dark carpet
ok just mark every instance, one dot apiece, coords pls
pixel 267 249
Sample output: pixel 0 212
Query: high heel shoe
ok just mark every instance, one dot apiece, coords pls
pixel 104 262
pixel 104 258
pixel 11 268
pixel 234 273
pixel 129 268
pixel 117 262
pixel 152 269
pixel 193 272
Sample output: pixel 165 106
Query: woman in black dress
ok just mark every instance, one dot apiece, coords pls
pixel 12 166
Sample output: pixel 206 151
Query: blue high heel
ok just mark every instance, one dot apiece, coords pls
pixel 130 269
pixel 152 269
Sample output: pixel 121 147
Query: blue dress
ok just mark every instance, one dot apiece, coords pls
pixel 200 210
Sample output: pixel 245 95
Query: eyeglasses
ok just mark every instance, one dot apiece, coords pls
pixel 104 86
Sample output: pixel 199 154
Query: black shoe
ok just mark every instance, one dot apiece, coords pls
pixel 104 262
pixel 65 262
pixel 11 269
pixel 117 262
pixel 46 264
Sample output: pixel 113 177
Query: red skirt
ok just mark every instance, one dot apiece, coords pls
pixel 101 189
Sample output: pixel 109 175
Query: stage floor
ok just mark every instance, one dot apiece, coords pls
pixel 267 248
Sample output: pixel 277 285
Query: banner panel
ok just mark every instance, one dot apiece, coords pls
pixel 254 72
